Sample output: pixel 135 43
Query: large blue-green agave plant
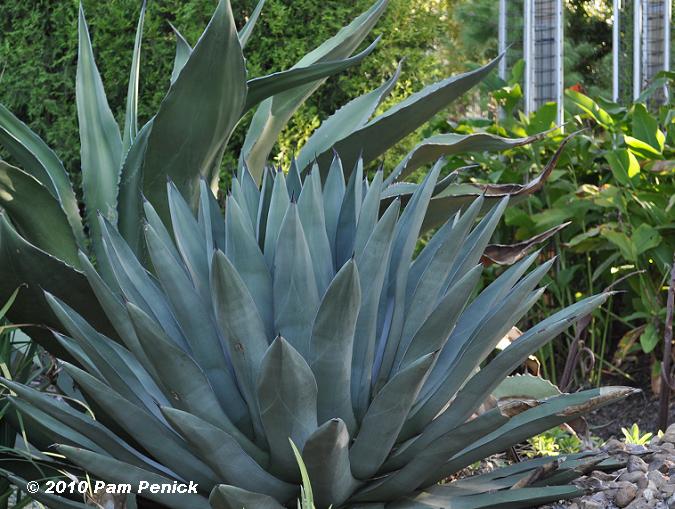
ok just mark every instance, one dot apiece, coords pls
pixel 303 318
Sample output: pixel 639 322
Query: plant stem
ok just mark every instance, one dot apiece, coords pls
pixel 666 381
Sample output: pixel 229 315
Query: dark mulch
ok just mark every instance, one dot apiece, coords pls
pixel 642 409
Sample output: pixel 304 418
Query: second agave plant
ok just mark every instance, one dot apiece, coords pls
pixel 304 320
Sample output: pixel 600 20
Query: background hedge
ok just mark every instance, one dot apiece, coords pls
pixel 38 55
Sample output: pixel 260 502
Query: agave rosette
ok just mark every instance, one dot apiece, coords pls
pixel 303 314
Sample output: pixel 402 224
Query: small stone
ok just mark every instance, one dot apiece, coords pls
pixel 636 464
pixel 636 449
pixel 625 495
pixel 648 494
pixel 637 477
pixel 669 435
pixel 613 445
pixel 591 504
pixel 657 478
pixel 603 476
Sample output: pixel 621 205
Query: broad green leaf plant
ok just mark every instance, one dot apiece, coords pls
pixel 44 229
pixel 301 329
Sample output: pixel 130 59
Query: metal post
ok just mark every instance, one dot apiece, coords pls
pixel 502 38
pixel 667 19
pixel 528 54
pixel 616 48
pixel 559 71
pixel 637 48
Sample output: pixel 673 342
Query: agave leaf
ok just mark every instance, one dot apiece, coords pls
pixel 503 254
pixel 273 114
pixel 245 255
pixel 550 413
pixel 277 83
pixel 247 29
pixel 245 338
pixel 278 207
pixel 344 121
pixel 287 394
pixel 226 456
pixel 525 386
pixel 131 115
pixel 193 316
pixel 37 214
pixel 190 240
pixel 520 498
pixel 326 456
pixel 231 497
pixel 35 270
pixel 373 266
pixel 198 114
pixel 189 388
pixel 474 348
pixel 79 422
pixel 266 189
pixel 100 140
pixel 144 428
pixel 183 52
pixel 430 456
pixel 430 288
pixel 251 194
pixel 294 181
pixel 385 417
pixel 330 349
pixel 368 214
pixel 392 304
pixel 310 209
pixel 155 222
pixel 374 138
pixel 44 430
pixel 36 158
pixel 237 195
pixel 438 325
pixel 431 149
pixel 129 205
pixel 333 194
pixel 118 472
pixel 114 371
pixel 488 378
pixel 456 196
pixel 210 219
pixel 454 228
pixel 294 310
pixel 136 284
pixel 349 215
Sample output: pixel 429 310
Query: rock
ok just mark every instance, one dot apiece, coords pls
pixel 657 478
pixel 625 495
pixel 636 449
pixel 637 477
pixel 636 464
pixel 614 446
pixel 591 504
pixel 648 494
pixel 669 435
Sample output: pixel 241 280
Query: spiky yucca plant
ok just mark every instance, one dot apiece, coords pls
pixel 304 316
pixel 209 94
